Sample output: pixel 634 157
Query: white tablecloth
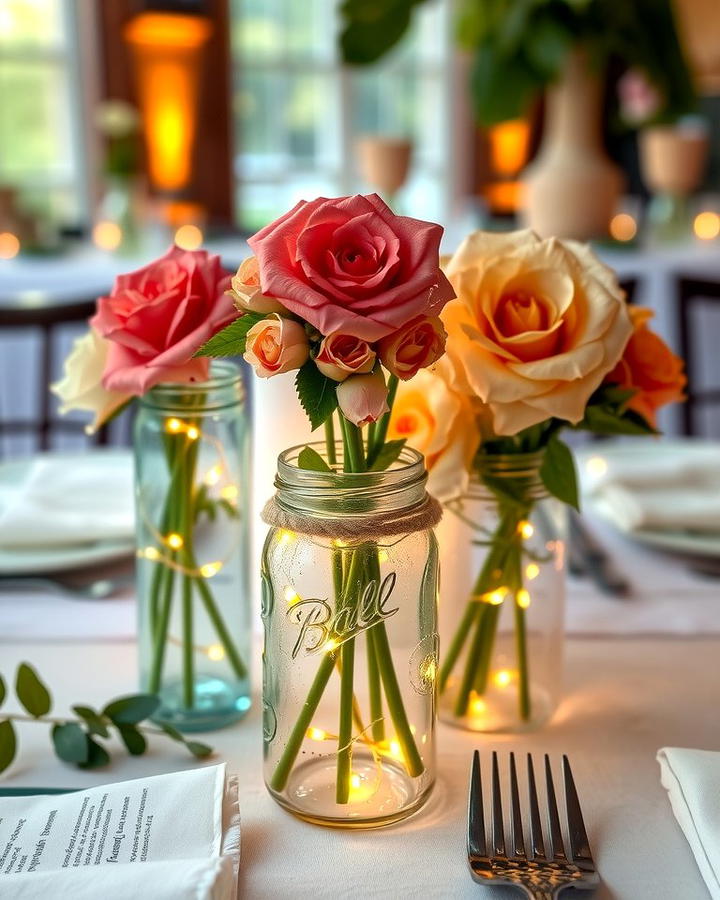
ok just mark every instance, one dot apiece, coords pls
pixel 624 700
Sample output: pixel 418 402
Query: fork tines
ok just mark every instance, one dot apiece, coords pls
pixel 542 848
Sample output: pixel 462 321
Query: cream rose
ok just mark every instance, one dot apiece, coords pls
pixel 81 385
pixel 246 292
pixel 363 398
pixel 341 355
pixel 535 327
pixel 276 345
pixel 415 346
pixel 441 423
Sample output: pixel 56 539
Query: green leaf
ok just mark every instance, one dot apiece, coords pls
pixel 231 340
pixel 8 744
pixel 133 739
pixel 198 749
pixel 71 743
pixel 387 455
pixel 558 472
pixel 31 692
pixel 3 690
pixel 372 28
pixel 316 393
pixel 93 720
pixel 132 709
pixel 311 459
pixel 600 420
pixel 502 89
pixel 97 755
pixel 547 45
pixel 232 512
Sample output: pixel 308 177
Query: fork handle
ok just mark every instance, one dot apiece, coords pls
pixel 543 895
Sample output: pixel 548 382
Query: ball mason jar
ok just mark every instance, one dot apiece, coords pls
pixel 502 599
pixel 192 502
pixel 351 644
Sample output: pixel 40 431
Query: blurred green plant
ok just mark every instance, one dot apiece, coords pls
pixel 520 46
pixel 76 739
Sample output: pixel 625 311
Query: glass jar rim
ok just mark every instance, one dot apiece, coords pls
pixel 224 387
pixel 522 468
pixel 338 493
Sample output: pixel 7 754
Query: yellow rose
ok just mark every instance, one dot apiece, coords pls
pixel 81 385
pixel 439 422
pixel 536 325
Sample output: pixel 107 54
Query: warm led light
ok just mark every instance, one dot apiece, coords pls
pixel 316 734
pixel 287 537
pixel 502 678
pixel 428 671
pixel 107 235
pixel 189 237
pixel 216 652
pixel 623 227
pixel 213 475
pixel 355 781
pixel 523 598
pixel 525 529
pixel 596 465
pixel 477 704
pixel 331 645
pixel 496 597
pixel 9 245
pixel 150 553
pixel 210 569
pixel 383 556
pixel 229 492
pixel 192 433
pixel 395 749
pixel 706 226
pixel 292 596
pixel 175 541
pixel 173 426
pixel 532 571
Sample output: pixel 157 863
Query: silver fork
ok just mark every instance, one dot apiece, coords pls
pixel 541 875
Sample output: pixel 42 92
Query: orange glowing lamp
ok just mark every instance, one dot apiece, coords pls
pixel 167 50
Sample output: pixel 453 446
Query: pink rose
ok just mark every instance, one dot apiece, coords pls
pixel 351 265
pixel 246 292
pixel 363 398
pixel 341 355
pixel 415 346
pixel 276 345
pixel 156 318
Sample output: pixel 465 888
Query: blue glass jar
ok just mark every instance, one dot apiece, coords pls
pixel 192 508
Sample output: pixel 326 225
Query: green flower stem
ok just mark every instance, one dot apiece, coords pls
pixel 344 756
pixel 382 425
pixel 375 689
pixel 473 658
pixel 187 647
pixel 236 662
pixel 160 637
pixel 297 735
pixel 354 442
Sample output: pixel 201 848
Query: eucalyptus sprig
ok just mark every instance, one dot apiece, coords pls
pixel 76 738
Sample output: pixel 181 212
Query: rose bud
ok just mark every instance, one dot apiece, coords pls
pixel 415 346
pixel 341 355
pixel 363 398
pixel 246 292
pixel 276 345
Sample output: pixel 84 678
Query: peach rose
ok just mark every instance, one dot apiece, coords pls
pixel 276 345
pixel 649 367
pixel 341 355
pixel 441 423
pixel 363 398
pixel 536 326
pixel 81 385
pixel 246 292
pixel 415 346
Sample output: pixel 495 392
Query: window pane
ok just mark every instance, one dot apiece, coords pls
pixel 34 121
pixel 31 22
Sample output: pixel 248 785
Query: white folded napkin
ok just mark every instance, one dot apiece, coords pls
pixel 70 500
pixel 692 780
pixel 661 509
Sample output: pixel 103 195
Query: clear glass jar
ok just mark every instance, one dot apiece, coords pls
pixel 192 500
pixel 350 657
pixel 502 602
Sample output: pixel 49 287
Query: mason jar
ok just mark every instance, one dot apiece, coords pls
pixel 192 501
pixel 350 580
pixel 502 599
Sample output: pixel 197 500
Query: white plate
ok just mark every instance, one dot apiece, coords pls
pixel 36 560
pixel 684 542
